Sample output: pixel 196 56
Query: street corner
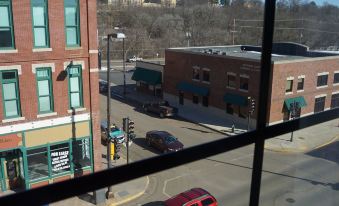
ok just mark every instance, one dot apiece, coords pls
pixel 285 146
pixel 128 191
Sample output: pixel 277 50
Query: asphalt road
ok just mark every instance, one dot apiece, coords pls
pixel 288 179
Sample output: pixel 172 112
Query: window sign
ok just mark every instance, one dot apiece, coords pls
pixel 60 158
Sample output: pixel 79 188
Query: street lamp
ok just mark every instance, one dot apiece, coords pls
pixel 109 160
pixel 122 36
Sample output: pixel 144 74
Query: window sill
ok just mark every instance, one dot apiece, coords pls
pixel 47 115
pixel 9 51
pixel 196 80
pixel 13 119
pixel 298 91
pixel 321 87
pixel 42 50
pixel 70 111
pixel 288 93
pixel 205 82
pixel 73 48
pixel 336 84
pixel 230 87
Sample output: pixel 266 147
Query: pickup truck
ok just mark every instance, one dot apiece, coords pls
pixel 162 108
pixel 134 59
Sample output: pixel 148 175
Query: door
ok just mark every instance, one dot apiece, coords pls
pixel 11 170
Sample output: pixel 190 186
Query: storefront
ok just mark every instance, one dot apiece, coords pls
pixel 39 157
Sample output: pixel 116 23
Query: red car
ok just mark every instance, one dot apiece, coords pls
pixel 192 197
pixel 163 141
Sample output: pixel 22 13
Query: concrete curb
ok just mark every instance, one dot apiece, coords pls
pixel 131 197
pixel 298 150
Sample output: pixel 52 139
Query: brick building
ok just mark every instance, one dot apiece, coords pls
pixel 49 109
pixel 220 80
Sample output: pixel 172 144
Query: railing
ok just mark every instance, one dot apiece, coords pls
pixel 81 185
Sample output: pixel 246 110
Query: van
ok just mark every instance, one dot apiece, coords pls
pixel 192 197
pixel 116 133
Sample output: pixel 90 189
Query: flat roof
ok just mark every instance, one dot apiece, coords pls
pixel 281 51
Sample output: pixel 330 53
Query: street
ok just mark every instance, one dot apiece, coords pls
pixel 287 178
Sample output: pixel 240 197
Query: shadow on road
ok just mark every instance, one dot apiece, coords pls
pixel 198 130
pixel 143 144
pixel 156 203
pixel 329 152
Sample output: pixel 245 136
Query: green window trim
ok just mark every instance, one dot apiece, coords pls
pixel 9 28
pixel 43 75
pixel 41 26
pixel 75 86
pixel 14 99
pixel 72 23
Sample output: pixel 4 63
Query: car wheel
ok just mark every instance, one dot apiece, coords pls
pixel 162 115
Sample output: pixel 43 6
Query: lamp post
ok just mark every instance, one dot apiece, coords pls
pixel 122 36
pixel 109 193
pixel 109 161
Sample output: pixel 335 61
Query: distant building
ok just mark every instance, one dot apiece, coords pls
pixel 49 108
pixel 156 3
pixel 149 77
pixel 220 80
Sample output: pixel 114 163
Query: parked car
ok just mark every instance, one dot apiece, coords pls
pixel 134 59
pixel 103 87
pixel 163 109
pixel 163 141
pixel 192 197
pixel 116 133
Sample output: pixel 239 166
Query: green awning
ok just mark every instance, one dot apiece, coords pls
pixel 151 77
pixel 191 88
pixel 235 99
pixel 300 100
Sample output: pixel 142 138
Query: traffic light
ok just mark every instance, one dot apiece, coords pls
pixel 130 130
pixel 125 124
pixel 251 105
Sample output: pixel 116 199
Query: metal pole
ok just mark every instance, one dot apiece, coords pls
pixel 249 113
pixel 123 64
pixel 127 139
pixel 109 161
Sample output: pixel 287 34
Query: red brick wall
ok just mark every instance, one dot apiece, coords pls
pixel 22 21
pixel 310 69
pixel 179 68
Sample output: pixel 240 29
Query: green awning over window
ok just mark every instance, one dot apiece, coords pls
pixel 151 77
pixel 191 88
pixel 300 100
pixel 235 99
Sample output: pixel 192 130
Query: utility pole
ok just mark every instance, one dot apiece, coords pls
pixel 233 32
pixel 123 64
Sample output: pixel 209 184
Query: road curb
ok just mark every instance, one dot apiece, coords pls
pixel 132 197
pixel 296 150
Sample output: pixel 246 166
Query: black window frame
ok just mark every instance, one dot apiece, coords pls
pixel 335 101
pixel 300 84
pixel 319 104
pixel 81 185
pixel 336 78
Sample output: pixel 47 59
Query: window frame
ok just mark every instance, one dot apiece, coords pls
pixel 76 26
pixel 46 24
pixel 8 4
pixel 195 70
pixel 204 72
pixel 17 93
pixel 322 81
pixel 80 85
pixel 248 83
pixel 336 75
pixel 228 80
pixel 288 91
pixel 303 83
pixel 50 83
pixel 316 107
pixel 334 100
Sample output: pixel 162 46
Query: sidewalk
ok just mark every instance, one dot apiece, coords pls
pixel 303 140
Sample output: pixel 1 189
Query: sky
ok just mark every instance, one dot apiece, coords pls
pixel 320 2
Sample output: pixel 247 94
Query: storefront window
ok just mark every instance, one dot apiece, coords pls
pixel 60 158
pixel 37 163
pixel 81 153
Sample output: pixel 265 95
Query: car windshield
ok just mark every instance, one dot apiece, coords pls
pixel 114 129
pixel 170 139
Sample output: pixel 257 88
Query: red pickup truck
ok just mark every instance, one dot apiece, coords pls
pixel 192 197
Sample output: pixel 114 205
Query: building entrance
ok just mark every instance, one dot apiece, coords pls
pixel 11 177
